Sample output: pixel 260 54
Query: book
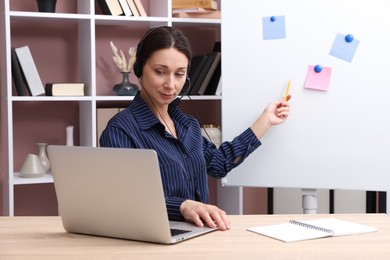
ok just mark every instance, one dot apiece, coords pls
pixel 133 8
pixel 30 71
pixel 190 10
pixel 217 46
pixel 197 81
pixel 201 15
pixel 203 73
pixel 218 91
pixel 110 7
pixel 312 229
pixel 64 89
pixel 214 81
pixel 209 4
pixel 140 8
pixel 197 63
pixel 17 74
pixel 215 58
pixel 125 8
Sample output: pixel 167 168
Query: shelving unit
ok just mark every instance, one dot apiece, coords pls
pixel 71 45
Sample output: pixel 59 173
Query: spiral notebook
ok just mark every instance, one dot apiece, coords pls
pixel 312 229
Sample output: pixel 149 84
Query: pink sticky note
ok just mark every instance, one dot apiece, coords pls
pixel 318 80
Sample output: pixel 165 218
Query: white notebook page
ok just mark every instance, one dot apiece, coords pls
pixel 326 227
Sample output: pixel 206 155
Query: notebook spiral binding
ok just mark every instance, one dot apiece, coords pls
pixel 311 227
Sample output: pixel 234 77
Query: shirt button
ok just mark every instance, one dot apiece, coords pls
pixel 185 156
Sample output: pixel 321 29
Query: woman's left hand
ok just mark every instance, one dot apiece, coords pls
pixel 274 114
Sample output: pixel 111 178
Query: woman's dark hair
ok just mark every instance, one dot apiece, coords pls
pixel 158 38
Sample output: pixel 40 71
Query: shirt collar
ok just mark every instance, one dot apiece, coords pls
pixel 146 118
pixel 142 113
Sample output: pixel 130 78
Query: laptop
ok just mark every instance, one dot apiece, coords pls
pixel 114 192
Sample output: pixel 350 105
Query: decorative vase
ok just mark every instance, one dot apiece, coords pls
pixel 32 167
pixel 125 88
pixel 47 6
pixel 43 156
pixel 69 135
pixel 213 133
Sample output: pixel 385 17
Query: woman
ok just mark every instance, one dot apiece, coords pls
pixel 153 121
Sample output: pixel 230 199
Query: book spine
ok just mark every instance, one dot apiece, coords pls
pixel 64 89
pixel 104 7
pixel 208 4
pixel 111 7
pixel 17 74
pixel 214 81
pixel 140 8
pixel 208 15
pixel 49 89
pixel 196 65
pixel 218 91
pixel 216 57
pixel 204 73
pixel 214 85
pixel 125 7
pixel 199 79
pixel 133 7
pixel 30 71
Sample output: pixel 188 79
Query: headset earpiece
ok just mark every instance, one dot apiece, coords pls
pixel 137 66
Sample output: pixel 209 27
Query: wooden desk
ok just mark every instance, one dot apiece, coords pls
pixel 45 238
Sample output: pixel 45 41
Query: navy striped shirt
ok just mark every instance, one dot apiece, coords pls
pixel 184 162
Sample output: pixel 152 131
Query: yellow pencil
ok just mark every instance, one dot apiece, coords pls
pixel 287 90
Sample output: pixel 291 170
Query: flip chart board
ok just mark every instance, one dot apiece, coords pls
pixel 338 132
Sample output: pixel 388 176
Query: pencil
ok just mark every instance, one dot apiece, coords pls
pixel 287 90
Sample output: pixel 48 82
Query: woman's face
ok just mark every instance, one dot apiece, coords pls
pixel 163 76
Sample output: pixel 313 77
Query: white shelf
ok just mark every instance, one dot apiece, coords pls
pixel 18 180
pixel 48 16
pixel 119 20
pixel 47 98
pixel 196 20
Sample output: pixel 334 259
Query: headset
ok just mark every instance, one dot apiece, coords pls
pixel 138 64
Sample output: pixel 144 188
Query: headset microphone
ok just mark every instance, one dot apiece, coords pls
pixel 177 100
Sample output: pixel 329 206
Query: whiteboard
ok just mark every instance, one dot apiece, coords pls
pixel 334 139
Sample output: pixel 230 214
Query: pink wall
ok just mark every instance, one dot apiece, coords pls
pixel 1 174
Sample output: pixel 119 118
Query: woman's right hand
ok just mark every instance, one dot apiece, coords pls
pixel 201 214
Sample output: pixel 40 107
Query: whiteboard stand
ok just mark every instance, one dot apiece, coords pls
pixel 230 199
pixel 309 201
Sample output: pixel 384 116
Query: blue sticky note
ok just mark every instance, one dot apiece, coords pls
pixel 274 27
pixel 344 47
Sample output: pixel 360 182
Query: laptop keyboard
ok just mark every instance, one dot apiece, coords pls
pixel 175 232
